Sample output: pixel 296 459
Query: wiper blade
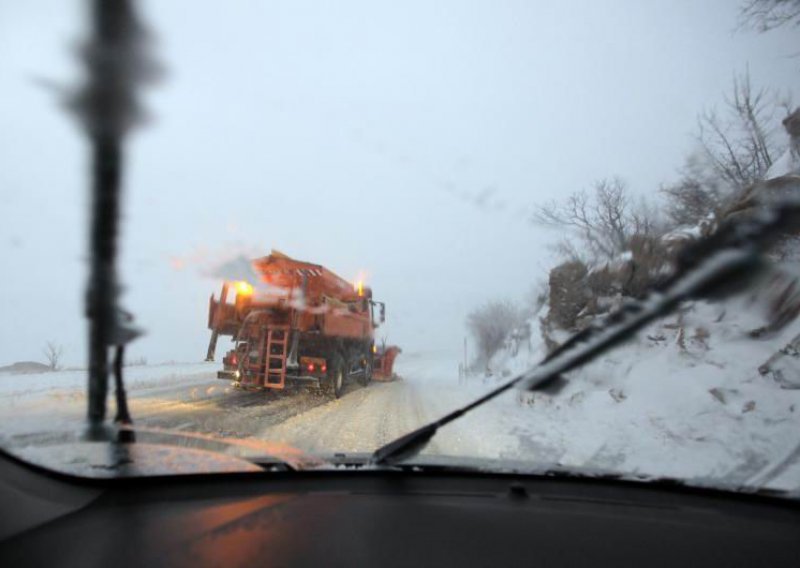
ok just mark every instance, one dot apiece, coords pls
pixel 117 64
pixel 722 264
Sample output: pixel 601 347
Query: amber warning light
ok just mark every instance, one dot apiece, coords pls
pixel 243 288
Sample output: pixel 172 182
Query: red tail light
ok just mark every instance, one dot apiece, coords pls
pixel 311 367
pixel 323 368
pixel 234 360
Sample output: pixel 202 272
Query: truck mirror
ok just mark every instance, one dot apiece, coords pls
pixel 383 313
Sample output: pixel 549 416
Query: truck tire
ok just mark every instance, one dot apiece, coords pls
pixel 336 377
pixel 366 377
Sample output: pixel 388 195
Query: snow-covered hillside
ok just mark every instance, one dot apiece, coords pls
pixel 684 401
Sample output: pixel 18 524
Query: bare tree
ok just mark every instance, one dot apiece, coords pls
pixel 765 15
pixel 52 353
pixel 604 221
pixel 736 148
pixel 697 194
pixel 740 145
pixel 689 201
pixel 491 324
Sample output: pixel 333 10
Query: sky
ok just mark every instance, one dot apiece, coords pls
pixel 405 140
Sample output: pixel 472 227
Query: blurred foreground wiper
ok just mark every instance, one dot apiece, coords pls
pixel 725 263
pixel 118 64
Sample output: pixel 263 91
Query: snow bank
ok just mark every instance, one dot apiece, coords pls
pixel 787 164
pixel 683 402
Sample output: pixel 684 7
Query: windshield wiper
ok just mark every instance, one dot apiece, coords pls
pixel 724 263
pixel 117 64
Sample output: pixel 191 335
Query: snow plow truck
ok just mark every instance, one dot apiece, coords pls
pixel 298 323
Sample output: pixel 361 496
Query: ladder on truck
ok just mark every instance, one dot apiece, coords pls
pixel 275 353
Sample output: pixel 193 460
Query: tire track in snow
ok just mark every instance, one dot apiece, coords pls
pixel 358 422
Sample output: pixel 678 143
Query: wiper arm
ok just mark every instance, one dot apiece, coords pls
pixel 117 64
pixel 722 264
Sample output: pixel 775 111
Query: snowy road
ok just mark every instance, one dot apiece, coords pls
pixel 603 419
pixel 39 409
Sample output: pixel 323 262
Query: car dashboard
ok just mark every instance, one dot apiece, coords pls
pixel 349 516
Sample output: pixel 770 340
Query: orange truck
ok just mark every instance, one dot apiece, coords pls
pixel 299 322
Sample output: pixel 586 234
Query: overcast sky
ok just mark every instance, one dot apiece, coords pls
pixel 405 139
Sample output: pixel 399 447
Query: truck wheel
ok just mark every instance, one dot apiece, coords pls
pixel 336 377
pixel 366 376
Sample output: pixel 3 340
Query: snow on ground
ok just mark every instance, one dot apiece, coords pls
pixel 75 380
pixel 366 418
pixel 787 164
pixel 36 402
pixel 650 407
pixel 653 407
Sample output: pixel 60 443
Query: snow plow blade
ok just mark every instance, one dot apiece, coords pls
pixel 384 363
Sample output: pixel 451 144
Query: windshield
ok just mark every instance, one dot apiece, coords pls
pixel 338 223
